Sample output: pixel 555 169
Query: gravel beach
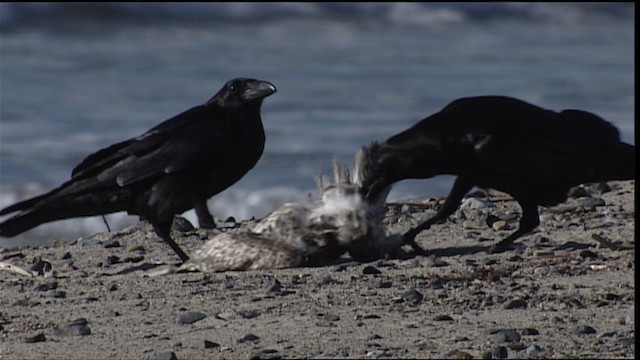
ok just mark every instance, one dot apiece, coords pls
pixel 566 291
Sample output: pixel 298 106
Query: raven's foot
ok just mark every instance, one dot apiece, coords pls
pixel 410 240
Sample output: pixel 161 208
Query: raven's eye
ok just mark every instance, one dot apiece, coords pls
pixel 234 89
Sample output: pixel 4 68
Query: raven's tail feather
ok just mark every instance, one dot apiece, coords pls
pixel 51 207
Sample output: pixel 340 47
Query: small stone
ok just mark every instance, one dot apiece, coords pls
pixel 331 317
pixel 516 304
pixel 530 331
pixel 206 344
pixel 47 286
pixel 169 355
pixel 583 329
pixel 134 248
pixel 499 225
pixel 371 270
pixel 506 335
pixel 57 294
pixel 588 254
pixel 65 256
pixel 112 259
pixel 578 192
pixel 249 337
pixel 499 352
pixel 191 317
pixel 532 349
pixel 443 318
pixel 36 338
pixel 248 314
pixel 413 297
pixel 78 327
pixel 111 244
pixel 271 284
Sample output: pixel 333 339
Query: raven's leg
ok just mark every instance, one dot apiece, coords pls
pixel 204 217
pixel 529 221
pixel 163 229
pixel 460 188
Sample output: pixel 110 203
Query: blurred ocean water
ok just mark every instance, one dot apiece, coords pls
pixel 77 77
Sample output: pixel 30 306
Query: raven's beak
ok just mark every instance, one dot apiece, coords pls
pixel 258 90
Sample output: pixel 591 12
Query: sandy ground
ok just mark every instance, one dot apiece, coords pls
pixel 566 291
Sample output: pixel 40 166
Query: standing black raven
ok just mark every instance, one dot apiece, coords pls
pixel 533 154
pixel 174 167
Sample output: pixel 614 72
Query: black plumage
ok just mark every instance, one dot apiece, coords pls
pixel 533 154
pixel 174 167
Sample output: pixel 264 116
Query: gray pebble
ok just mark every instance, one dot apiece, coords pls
pixel 530 331
pixel 532 349
pixel 412 296
pixel 34 339
pixel 77 327
pixel 249 337
pixel 248 314
pixel 592 202
pixel 65 256
pixel 515 304
pixel 57 294
pixel 169 355
pixel 191 317
pixel 583 329
pixel 271 284
pixel 506 335
pixel 499 352
pixel 47 286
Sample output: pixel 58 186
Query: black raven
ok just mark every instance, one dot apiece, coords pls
pixel 174 167
pixel 533 154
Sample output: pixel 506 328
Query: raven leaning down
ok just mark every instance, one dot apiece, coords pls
pixel 174 167
pixel 533 154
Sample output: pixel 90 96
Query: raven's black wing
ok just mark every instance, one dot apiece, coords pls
pixel 181 142
pixel 548 147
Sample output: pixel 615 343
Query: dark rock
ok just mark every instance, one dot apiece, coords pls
pixel 412 296
pixel 191 317
pixel 112 260
pixel 588 254
pixel 111 244
pixel 578 192
pixel 443 318
pixel 206 344
pixel 36 338
pixel 66 256
pixel 530 331
pixel 266 354
pixel 249 338
pixel 499 352
pixel 47 286
pixel 371 270
pixel 78 327
pixel 583 329
pixel 271 284
pixel 515 304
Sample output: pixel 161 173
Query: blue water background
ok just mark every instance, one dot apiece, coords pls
pixel 77 77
